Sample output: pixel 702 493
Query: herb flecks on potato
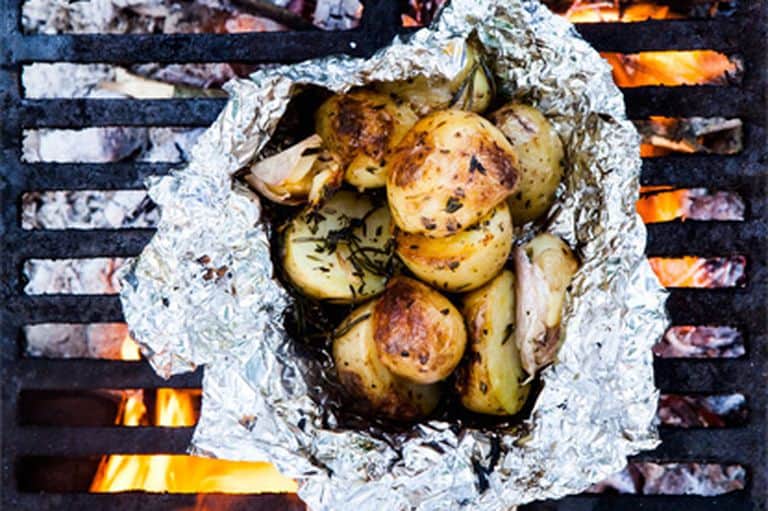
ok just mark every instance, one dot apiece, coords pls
pixel 361 127
pixel 491 379
pixel 449 171
pixel 472 88
pixel 419 334
pixel 340 252
pixel 364 377
pixel 462 261
pixel 540 157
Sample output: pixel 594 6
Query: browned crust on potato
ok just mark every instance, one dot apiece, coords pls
pixel 414 337
pixel 364 124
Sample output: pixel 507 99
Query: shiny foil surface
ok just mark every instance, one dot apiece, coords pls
pixel 202 292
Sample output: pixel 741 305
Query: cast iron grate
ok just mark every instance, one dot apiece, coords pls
pixel 745 173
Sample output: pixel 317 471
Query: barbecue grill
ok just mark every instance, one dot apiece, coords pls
pixel 25 446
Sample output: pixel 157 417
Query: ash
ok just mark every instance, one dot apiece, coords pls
pixel 706 479
pixel 95 276
pixel 88 210
pixel 67 340
pixel 700 342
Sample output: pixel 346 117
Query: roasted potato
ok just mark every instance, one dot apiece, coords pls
pixel 471 89
pixel 305 172
pixel 341 251
pixel 544 268
pixel 491 379
pixel 361 127
pixel 449 171
pixel 540 157
pixel 419 334
pixel 364 376
pixel 462 261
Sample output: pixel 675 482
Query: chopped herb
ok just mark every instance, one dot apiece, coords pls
pixel 475 165
pixel 453 204
pixel 453 265
pixel 345 328
pixel 445 312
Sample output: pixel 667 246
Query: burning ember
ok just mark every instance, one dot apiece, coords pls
pixel 700 272
pixel 690 341
pixel 665 204
pixel 670 68
pixel 178 473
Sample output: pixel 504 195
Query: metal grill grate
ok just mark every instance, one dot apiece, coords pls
pixel 745 173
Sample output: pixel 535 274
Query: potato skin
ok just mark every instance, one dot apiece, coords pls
pixel 462 261
pixel 491 379
pixel 450 170
pixel 419 334
pixel 361 127
pixel 540 155
pixel 318 256
pixel 472 89
pixel 364 377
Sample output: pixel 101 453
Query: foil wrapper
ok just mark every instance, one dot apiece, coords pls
pixel 202 292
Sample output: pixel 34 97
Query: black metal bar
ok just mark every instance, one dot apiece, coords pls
pixel 687 101
pixel 92 176
pixel 660 35
pixel 140 501
pixel 708 376
pixel 64 309
pixel 704 445
pixel 730 502
pixel 704 238
pixel 97 374
pixel 73 243
pixel 252 47
pixel 716 307
pixel 87 441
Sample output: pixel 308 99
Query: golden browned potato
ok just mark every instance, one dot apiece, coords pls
pixel 364 376
pixel 544 268
pixel 305 172
pixel 341 251
pixel 361 127
pixel 471 89
pixel 490 379
pixel 419 334
pixel 540 156
pixel 462 261
pixel 448 172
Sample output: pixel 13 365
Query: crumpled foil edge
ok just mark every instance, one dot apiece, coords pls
pixel 202 291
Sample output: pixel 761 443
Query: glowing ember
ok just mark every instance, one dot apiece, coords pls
pixel 586 12
pixel 129 350
pixel 696 67
pixel 178 473
pixel 664 204
pixel 700 272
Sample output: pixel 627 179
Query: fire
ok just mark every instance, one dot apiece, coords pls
pixel 700 272
pixel 129 349
pixel 601 12
pixel 695 67
pixel 663 205
pixel 179 473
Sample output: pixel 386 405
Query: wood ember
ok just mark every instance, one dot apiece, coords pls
pixel 715 135
pixel 89 209
pixel 700 272
pixel 72 276
pixel 700 342
pixel 70 340
pixel 646 478
pixel 697 411
pixel 667 204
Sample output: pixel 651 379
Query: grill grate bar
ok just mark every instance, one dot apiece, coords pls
pixel 92 176
pixel 77 113
pixel 64 309
pixel 704 238
pixel 711 445
pixel 261 47
pixel 75 243
pixel 708 376
pixel 138 501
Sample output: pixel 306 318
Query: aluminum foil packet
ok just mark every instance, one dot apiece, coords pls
pixel 203 293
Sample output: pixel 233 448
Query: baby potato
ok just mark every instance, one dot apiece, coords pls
pixel 544 268
pixel 449 171
pixel 341 251
pixel 361 127
pixel 540 155
pixel 305 172
pixel 491 379
pixel 363 375
pixel 419 334
pixel 462 261
pixel 471 89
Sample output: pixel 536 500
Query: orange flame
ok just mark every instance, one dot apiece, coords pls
pixel 129 349
pixel 586 12
pixel 695 67
pixel 662 206
pixel 178 473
